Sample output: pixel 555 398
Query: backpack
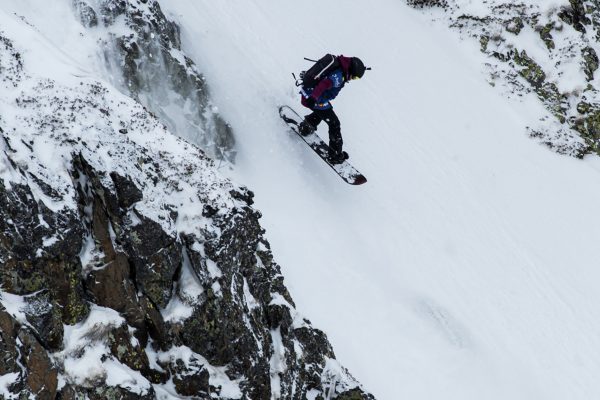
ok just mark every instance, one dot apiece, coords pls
pixel 319 70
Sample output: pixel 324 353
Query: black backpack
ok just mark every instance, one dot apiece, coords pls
pixel 319 70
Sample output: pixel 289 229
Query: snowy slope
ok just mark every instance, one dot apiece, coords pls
pixel 129 266
pixel 466 266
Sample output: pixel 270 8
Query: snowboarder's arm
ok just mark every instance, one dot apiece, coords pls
pixel 321 88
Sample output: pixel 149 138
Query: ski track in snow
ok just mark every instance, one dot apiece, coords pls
pixel 466 268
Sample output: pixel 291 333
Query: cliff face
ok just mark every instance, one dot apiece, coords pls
pixel 546 49
pixel 129 267
pixel 140 48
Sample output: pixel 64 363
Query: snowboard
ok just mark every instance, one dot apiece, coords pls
pixel 346 171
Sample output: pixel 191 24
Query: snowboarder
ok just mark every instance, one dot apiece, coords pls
pixel 321 84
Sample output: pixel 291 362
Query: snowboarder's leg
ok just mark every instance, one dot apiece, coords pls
pixel 336 155
pixel 309 125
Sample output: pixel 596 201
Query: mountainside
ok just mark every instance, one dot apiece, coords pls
pixel 130 268
pixel 140 139
pixel 547 48
pixel 464 268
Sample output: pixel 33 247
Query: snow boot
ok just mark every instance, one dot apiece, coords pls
pixel 337 157
pixel 305 128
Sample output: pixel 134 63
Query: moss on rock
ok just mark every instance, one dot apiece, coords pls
pixel 590 62
pixel 514 25
pixel 546 35
pixel 588 125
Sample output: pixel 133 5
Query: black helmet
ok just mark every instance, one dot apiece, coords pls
pixel 357 68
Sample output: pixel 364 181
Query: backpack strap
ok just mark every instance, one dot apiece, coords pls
pixel 318 76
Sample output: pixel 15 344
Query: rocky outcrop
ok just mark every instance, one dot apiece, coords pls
pixel 564 78
pixel 427 3
pixel 129 268
pixel 25 362
pixel 152 68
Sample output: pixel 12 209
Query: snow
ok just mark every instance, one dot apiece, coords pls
pixel 14 305
pixel 483 8
pixel 188 290
pixel 277 363
pixel 467 266
pixel 5 381
pixel 217 375
pixel 86 356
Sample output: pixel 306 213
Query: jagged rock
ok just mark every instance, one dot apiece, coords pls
pixel 427 3
pixel 8 355
pixel 44 315
pixel 102 392
pixel 11 66
pixel 575 15
pixel 127 349
pixel 191 383
pixel 511 58
pixel 590 62
pixel 515 25
pixel 355 394
pixel 87 15
pixel 155 75
pixel 66 287
pixel 535 75
pixel 23 356
pixel 42 377
pixel 156 257
pixel 589 125
pixel 546 35
pixel 127 193
pixel 29 269
pixel 531 71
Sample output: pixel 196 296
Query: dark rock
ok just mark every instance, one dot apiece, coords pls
pixel 191 383
pixel 427 3
pixel 150 69
pixel 123 348
pixel 9 357
pixel 42 376
pixel 515 25
pixel 154 324
pixel 101 392
pixel 531 71
pixel 88 16
pixel 590 62
pixel 155 256
pixel 216 330
pixel 355 394
pixel 575 15
pixel 546 35
pixel 66 287
pixel 127 191
pixel 44 315
pixel 23 355
pixel 588 126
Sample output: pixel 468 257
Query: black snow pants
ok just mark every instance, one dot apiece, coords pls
pixel 335 130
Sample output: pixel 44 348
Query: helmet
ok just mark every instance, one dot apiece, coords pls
pixel 357 68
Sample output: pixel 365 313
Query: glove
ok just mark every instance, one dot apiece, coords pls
pixel 310 102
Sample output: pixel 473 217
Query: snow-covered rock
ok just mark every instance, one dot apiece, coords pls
pixel 129 267
pixel 141 52
pixel 546 48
